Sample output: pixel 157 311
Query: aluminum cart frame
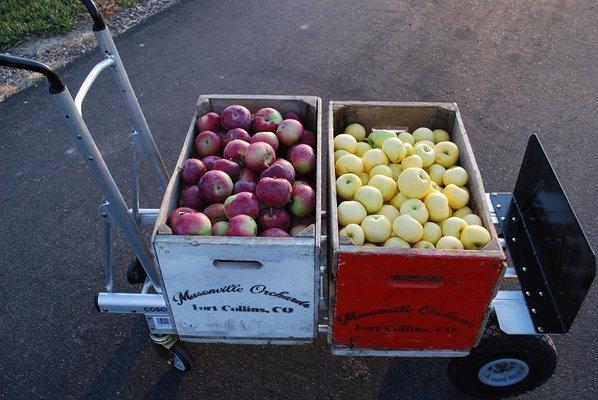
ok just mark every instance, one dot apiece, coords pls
pixel 553 261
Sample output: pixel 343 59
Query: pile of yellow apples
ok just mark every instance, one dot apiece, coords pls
pixel 400 189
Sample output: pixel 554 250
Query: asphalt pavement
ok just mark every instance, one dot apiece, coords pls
pixel 514 68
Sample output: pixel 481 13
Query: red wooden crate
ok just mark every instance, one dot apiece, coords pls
pixel 385 300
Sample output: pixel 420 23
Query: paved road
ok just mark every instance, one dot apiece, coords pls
pixel 514 68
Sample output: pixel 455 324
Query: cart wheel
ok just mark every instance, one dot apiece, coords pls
pixel 503 365
pixel 135 272
pixel 182 360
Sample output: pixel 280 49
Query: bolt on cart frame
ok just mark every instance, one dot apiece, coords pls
pixel 552 260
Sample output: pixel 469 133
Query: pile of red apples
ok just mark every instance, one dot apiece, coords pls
pixel 251 175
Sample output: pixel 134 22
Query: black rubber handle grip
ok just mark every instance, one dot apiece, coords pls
pixel 56 85
pixel 96 16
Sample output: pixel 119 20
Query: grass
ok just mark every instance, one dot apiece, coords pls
pixel 24 19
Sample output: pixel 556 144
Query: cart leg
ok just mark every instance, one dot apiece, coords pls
pixel 169 347
pixel 504 365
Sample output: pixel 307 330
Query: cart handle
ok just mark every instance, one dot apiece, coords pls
pixel 96 16
pixel 56 85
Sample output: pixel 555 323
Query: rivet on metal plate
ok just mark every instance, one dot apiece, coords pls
pixel 528 294
pixel 524 269
pixel 499 206
pixel 541 293
pixel 513 219
pixel 513 239
pixel 540 329
pixel 494 194
pixel 503 219
pixel 534 311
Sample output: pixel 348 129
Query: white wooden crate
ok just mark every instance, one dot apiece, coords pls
pixel 242 290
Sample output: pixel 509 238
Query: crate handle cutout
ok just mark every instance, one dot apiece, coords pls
pixel 416 281
pixel 237 264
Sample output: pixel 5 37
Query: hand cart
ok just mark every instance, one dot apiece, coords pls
pixel 497 338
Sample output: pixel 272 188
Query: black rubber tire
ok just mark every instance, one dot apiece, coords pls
pixel 186 361
pixel 135 272
pixel 537 351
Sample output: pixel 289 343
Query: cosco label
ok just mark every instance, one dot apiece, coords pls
pixel 155 309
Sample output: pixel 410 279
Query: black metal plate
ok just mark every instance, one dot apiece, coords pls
pixel 552 256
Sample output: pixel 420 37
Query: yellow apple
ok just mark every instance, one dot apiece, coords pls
pixel 428 142
pixel 398 200
pixel 472 219
pixel 440 135
pixel 345 141
pixel 406 137
pixel 351 212
pixel 367 244
pixel 407 228
pixel 455 175
pixel 346 185
pixel 348 163
pixel 423 134
pixel 457 196
pixel 461 212
pixel 436 171
pixel 414 182
pixel 447 154
pixel 408 149
pixel 389 212
pixel 416 208
pixel 339 153
pixel 370 197
pixel 373 157
pixel 356 130
pixel 353 232
pixel 396 170
pixel 438 206
pixel 362 147
pixel 396 242
pixel 377 228
pixel 449 243
pixel 434 188
pixel 386 185
pixel 432 232
pixel 394 149
pixel 413 161
pixel 365 178
pixel 382 170
pixel 475 237
pixel 426 153
pixel 422 244
pixel 453 226
pixel 378 136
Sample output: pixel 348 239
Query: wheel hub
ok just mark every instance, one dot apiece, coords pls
pixel 503 372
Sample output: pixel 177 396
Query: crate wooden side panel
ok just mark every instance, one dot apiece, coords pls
pixel 351 264
pixel 286 264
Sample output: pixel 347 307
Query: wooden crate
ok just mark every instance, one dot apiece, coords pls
pixel 408 301
pixel 238 289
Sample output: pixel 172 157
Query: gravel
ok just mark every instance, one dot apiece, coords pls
pixel 57 51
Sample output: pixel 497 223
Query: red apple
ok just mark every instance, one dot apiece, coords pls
pixel 303 200
pixel 248 175
pixel 308 138
pixel 235 116
pixel 215 186
pixel 237 133
pixel 174 215
pixel 259 156
pixel 274 218
pixel 209 162
pixel 220 228
pixel 207 143
pixel 193 169
pixel 208 122
pixel 266 119
pixel 242 203
pixel 190 197
pixel 194 223
pixel 292 115
pixel 280 169
pixel 303 158
pixel 289 132
pixel 230 167
pixel 235 151
pixel 274 232
pixel 266 137
pixel 241 225
pixel 273 192
pixel 244 186
pixel 215 212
